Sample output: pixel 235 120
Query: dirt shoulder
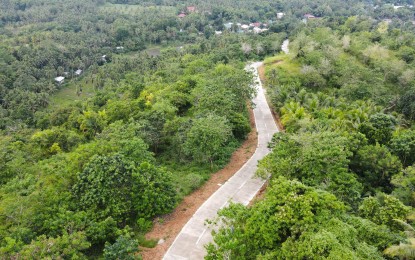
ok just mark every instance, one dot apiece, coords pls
pixel 170 225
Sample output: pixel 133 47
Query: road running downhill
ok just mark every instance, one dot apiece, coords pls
pixel 240 188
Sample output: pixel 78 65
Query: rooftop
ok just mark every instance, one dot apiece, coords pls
pixel 59 79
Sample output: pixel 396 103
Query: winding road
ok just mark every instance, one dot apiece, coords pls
pixel 240 188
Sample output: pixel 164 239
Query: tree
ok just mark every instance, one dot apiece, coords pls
pixel 246 48
pixel 112 186
pixel 104 187
pixel 91 123
pixel 292 113
pixel 406 104
pixel 153 192
pixel 319 160
pixel 332 240
pixel 379 128
pixel 293 220
pixel 376 166
pixel 403 146
pixel 67 246
pixel 207 136
pixel 383 209
pixel 404 186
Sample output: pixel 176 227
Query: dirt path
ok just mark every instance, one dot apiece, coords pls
pixel 170 225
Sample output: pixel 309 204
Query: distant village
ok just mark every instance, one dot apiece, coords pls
pixel 253 27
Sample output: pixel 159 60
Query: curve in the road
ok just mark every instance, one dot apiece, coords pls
pixel 240 188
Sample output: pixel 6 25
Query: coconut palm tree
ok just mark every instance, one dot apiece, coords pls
pixel 291 113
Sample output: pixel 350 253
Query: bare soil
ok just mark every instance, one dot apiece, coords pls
pixel 260 194
pixel 169 226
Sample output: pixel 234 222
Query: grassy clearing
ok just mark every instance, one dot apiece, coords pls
pixel 188 177
pixel 68 93
pixel 283 65
pixel 283 61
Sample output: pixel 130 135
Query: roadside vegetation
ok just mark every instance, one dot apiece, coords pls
pixel 341 175
pixel 155 98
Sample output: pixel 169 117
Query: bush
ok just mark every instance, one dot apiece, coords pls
pixel 193 181
pixel 240 125
pixel 124 248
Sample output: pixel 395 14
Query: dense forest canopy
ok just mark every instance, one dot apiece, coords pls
pixel 41 40
pixel 155 98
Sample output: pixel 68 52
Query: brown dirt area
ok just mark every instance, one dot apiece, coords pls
pixel 168 226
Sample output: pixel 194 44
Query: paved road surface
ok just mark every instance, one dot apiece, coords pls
pixel 284 46
pixel 242 187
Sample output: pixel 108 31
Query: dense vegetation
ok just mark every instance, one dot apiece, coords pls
pixel 342 173
pixel 43 39
pixel 85 166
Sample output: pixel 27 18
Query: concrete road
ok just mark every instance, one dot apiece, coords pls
pixel 284 46
pixel 242 187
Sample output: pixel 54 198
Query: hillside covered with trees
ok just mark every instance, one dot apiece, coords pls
pixel 342 174
pixel 162 100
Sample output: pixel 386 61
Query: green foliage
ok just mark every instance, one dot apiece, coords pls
pixel 57 137
pixel 338 93
pixel 240 125
pixel 91 123
pixel 66 246
pixel 383 209
pixel 379 236
pixel 153 193
pixel 123 248
pixel 376 166
pixel 403 145
pixel 105 187
pixel 188 105
pixel 406 104
pixel 290 210
pixel 404 186
pixel 320 160
pixel 206 137
pixel 193 181
pixel 111 186
pixel 403 250
pixel 379 128
pixel 88 167
pixel 334 240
